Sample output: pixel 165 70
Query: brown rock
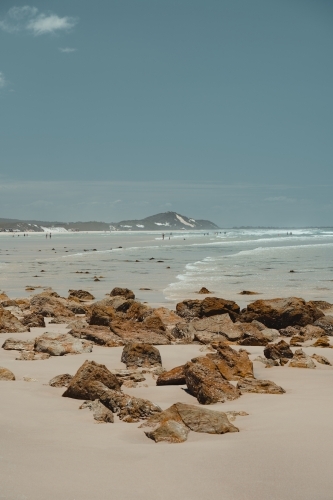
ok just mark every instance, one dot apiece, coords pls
pixel 169 318
pixel 6 374
pixel 295 340
pixel 154 323
pixel 101 315
pixel 170 432
pixel 141 355
pixel 128 408
pixel 259 386
pixel 290 331
pixel 207 307
pixel 100 413
pixel 50 305
pixel 124 292
pixel 267 362
pixel 100 335
pixel 321 359
pixel 82 295
pixel 280 313
pixel 61 380
pixel 321 304
pixel 32 356
pixel 90 380
pixel 205 382
pixel 203 290
pixel 133 332
pixel 33 320
pixel 9 323
pixel 232 364
pixel 12 344
pixel 248 292
pixel 278 351
pixel 326 323
pixel 322 342
pixel 207 330
pixel 59 344
pixel 301 360
pixel 310 332
pixel 251 335
pixel 176 376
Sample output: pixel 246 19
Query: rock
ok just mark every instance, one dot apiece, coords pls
pixel 170 432
pixel 321 304
pixel 326 323
pixel 248 292
pixel 176 376
pixel 124 292
pixel 321 359
pixel 32 356
pixel 59 344
pixel 6 374
pixel 183 332
pixel 140 355
pixel 278 351
pixel 90 380
pixel 209 306
pixel 128 408
pixel 29 379
pixel 280 313
pixel 9 323
pixel 251 335
pixel 233 414
pixel 259 386
pixel 50 305
pixel 134 332
pixel 154 323
pixel 76 306
pixel 137 311
pixel 310 332
pixel 181 417
pixel 207 330
pixel 12 344
pixel 100 413
pixel 168 317
pixel 295 340
pixel 33 320
pixel 267 362
pixel 232 364
pixel 205 382
pixel 322 342
pixel 203 290
pixel 290 331
pixel 270 334
pixel 82 295
pixel 101 315
pixel 61 380
pixel 301 360
pixel 100 335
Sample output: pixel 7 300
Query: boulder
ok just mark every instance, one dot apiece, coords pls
pixel 154 323
pixel 310 332
pixel 59 344
pixel 176 376
pixel 322 342
pixel 278 351
pixel 206 383
pixel 6 374
pixel 270 334
pixel 82 295
pixel 76 306
pixel 32 356
pixel 232 364
pixel 12 344
pixel 170 432
pixel 141 355
pixel 33 320
pixel 101 315
pixel 321 359
pixel 50 305
pixel 128 408
pixel 321 304
pixel 326 323
pixel 280 313
pixel 134 332
pixel 124 292
pixel 100 335
pixel 290 331
pixel 259 386
pixel 90 380
pixel 169 318
pixel 207 330
pixel 251 335
pixel 301 360
pixel 100 412
pixel 61 380
pixel 9 323
pixel 209 306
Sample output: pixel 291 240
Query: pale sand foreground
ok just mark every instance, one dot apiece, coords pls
pixel 50 450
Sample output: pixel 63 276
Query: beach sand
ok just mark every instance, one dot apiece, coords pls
pixel 49 449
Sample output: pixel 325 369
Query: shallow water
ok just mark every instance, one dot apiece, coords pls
pixel 225 263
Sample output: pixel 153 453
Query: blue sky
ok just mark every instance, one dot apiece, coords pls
pixel 217 109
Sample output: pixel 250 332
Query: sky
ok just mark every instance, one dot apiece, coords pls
pixel 217 109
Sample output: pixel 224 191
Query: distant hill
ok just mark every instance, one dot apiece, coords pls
pixel 163 222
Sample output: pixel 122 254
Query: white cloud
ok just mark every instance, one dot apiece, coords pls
pixel 29 19
pixel 67 50
pixel 2 80
pixel 280 198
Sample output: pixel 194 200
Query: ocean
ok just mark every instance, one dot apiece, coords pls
pixel 226 262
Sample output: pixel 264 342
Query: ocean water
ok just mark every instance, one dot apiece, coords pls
pixel 226 263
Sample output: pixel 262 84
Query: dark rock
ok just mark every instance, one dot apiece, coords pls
pixel 203 290
pixel 176 376
pixel 326 323
pixel 290 331
pixel 209 306
pixel 124 292
pixel 90 381
pixel 280 313
pixel 33 320
pixel 128 408
pixel 81 295
pixel 278 351
pixel 141 355
pixel 101 316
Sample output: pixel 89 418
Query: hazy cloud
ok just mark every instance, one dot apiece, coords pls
pixel 30 19
pixel 67 49
pixel 280 198
pixel 2 80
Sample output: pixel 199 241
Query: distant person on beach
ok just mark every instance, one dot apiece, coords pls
pixel 162 236
pixel 50 235
pixel 46 235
